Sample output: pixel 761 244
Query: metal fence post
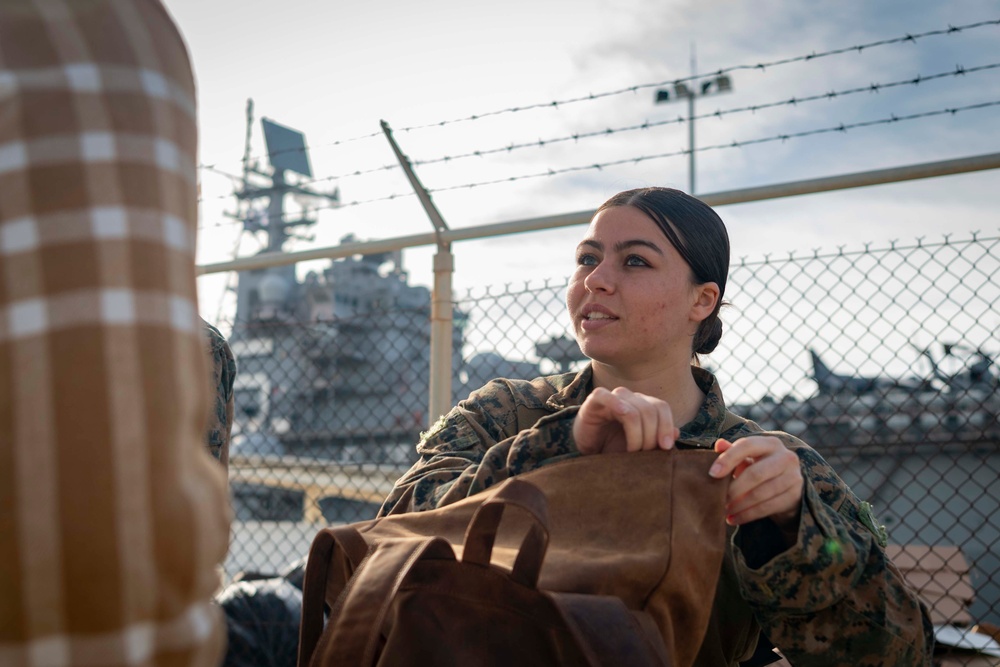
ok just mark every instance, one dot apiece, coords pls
pixel 439 400
pixel 441 334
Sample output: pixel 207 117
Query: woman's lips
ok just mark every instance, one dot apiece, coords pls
pixel 594 317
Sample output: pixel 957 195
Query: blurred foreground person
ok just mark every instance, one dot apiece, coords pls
pixel 114 517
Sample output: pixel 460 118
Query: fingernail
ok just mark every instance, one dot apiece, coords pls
pixel 715 469
pixel 667 442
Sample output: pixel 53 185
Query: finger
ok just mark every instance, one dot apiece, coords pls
pixel 751 447
pixel 596 407
pixel 787 482
pixel 640 429
pixel 631 422
pixel 666 432
pixel 785 505
pixel 653 412
pixel 741 467
pixel 590 428
pixel 771 488
pixel 722 445
pixel 644 422
pixel 763 471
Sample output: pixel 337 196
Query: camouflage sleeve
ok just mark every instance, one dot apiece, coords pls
pixel 481 442
pixel 223 369
pixel 834 597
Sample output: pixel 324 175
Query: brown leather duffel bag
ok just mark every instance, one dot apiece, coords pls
pixel 644 529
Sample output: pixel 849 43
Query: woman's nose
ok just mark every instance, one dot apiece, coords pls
pixel 600 279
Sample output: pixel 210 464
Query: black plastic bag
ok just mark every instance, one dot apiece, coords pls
pixel 262 621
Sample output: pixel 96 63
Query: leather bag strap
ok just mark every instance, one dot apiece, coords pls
pixel 355 624
pixel 321 552
pixel 351 542
pixel 608 633
pixel 482 530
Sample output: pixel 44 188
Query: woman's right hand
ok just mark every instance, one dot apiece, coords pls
pixel 621 420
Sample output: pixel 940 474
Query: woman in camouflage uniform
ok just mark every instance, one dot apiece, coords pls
pixel 806 567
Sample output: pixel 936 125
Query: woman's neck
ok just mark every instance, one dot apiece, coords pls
pixel 673 384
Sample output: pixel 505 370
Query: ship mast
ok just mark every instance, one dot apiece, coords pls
pixel 286 152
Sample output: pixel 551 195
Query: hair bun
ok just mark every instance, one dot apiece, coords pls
pixel 711 337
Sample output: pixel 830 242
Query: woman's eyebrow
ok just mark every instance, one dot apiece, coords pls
pixel 625 245
pixel 622 246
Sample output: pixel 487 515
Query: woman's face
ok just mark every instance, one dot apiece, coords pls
pixel 632 299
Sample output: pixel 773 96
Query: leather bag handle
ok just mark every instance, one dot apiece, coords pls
pixel 481 533
pixel 356 620
pixel 355 548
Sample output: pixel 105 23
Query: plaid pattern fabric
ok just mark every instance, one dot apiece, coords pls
pixel 113 517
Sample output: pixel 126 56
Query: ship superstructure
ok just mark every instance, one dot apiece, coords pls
pixel 333 365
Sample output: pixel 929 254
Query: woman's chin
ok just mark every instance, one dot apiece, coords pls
pixel 599 355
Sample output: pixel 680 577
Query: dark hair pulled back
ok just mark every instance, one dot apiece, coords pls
pixel 698 234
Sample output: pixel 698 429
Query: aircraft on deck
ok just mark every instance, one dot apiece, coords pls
pixel 976 371
pixel 830 382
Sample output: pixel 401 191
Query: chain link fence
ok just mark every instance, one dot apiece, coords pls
pixel 883 359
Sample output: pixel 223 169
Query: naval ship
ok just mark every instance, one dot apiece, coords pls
pixel 333 367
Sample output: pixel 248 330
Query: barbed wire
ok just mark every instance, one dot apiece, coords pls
pixel 694 77
pixel 842 127
pixel 794 101
pixel 348 204
pixel 646 125
pixel 555 104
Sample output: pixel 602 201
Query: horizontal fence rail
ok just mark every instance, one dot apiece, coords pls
pixel 846 181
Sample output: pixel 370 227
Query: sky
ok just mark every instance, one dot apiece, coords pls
pixel 335 70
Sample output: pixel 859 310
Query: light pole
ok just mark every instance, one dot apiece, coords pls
pixel 708 86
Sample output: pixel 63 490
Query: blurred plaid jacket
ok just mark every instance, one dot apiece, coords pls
pixel 112 515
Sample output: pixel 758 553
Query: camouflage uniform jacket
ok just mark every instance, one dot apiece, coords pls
pixel 223 374
pixel 833 598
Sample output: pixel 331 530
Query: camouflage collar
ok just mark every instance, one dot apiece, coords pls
pixel 702 431
pixel 571 388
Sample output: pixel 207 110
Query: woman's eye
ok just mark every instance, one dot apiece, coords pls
pixel 635 260
pixel 586 259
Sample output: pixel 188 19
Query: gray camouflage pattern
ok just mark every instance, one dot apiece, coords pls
pixel 833 598
pixel 223 374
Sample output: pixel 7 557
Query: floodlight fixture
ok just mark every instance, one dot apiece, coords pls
pixel 710 86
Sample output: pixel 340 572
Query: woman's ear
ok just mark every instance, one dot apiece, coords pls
pixel 706 296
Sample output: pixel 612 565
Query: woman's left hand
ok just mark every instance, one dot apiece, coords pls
pixel 767 480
